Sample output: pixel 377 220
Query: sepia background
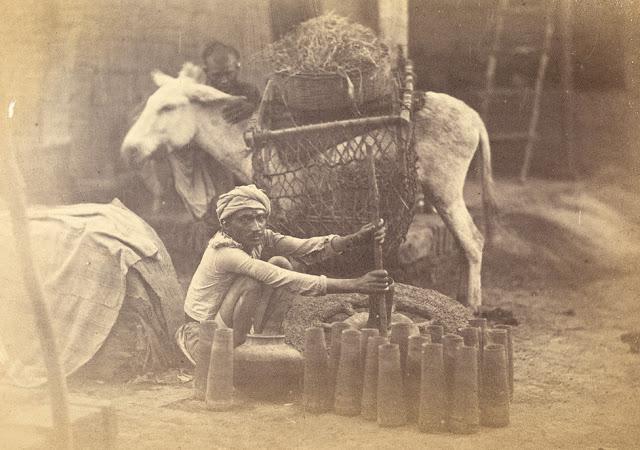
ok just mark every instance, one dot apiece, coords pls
pixel 76 71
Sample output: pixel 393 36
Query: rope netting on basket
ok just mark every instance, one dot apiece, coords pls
pixel 317 177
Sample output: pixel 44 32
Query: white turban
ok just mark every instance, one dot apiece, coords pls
pixel 242 197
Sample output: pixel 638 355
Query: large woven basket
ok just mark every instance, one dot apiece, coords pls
pixel 317 177
pixel 314 92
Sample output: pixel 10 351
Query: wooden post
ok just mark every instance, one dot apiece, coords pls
pixel 566 82
pixel 490 73
pixel 16 202
pixel 535 115
pixel 393 22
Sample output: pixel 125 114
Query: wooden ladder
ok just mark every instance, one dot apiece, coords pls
pixel 505 10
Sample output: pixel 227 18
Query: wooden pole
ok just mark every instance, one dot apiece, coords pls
pixel 566 82
pixel 535 115
pixel 377 303
pixel 492 63
pixel 56 380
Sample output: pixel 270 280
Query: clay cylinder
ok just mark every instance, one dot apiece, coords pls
pixel 471 338
pixel 391 406
pixel 494 399
pixel 369 403
pixel 481 325
pixel 450 343
pixel 219 394
pixel 509 330
pixel 432 408
pixel 205 339
pixel 436 332
pixel 334 356
pixel 412 375
pixel 465 410
pixel 349 377
pixel 365 333
pixel 316 372
pixel 498 336
pixel 400 332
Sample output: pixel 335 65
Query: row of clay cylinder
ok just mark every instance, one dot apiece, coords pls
pixel 444 382
pixel 213 375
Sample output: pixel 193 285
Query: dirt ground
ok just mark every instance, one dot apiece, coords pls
pixel 565 265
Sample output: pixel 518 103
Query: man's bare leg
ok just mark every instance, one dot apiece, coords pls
pixel 239 305
pixel 270 312
pixel 279 305
pixel 251 303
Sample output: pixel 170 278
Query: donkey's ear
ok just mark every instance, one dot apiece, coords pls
pixel 194 72
pixel 206 94
pixel 160 78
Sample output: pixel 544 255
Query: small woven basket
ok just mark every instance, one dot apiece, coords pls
pixel 314 92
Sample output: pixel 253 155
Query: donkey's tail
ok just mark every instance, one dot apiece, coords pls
pixel 490 207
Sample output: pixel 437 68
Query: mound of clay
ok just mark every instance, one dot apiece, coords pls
pixel 420 304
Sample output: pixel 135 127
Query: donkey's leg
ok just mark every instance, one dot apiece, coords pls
pixel 446 133
pixel 459 221
pixel 463 275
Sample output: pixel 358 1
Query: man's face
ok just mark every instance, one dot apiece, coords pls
pixel 246 226
pixel 221 68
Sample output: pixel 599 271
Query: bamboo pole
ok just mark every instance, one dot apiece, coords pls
pixel 16 202
pixel 257 138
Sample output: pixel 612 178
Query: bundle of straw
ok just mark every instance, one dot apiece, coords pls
pixel 328 44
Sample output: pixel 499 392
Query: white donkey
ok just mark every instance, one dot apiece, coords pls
pixel 447 134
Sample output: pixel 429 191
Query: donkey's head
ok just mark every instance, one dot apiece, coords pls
pixel 168 120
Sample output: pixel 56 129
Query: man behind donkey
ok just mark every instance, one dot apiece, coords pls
pixel 222 66
pixel 238 290
pixel 197 176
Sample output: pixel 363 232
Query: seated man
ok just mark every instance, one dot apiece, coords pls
pixel 238 290
pixel 222 66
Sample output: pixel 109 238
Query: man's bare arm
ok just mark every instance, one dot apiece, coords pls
pixel 369 283
pixel 360 237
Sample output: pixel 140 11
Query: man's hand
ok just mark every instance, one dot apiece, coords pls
pixel 238 111
pixel 360 237
pixel 379 231
pixel 374 281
